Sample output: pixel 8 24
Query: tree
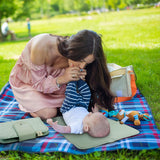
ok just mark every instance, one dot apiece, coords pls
pixel 17 9
pixel 149 1
pixel 7 8
pixel 113 4
pixel 23 9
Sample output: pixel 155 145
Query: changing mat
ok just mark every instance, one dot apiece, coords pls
pixel 85 141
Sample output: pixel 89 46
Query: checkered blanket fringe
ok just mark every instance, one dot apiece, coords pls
pixel 148 138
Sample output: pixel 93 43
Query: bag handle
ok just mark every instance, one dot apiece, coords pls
pixel 121 71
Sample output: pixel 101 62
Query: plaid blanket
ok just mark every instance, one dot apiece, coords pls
pixel 148 138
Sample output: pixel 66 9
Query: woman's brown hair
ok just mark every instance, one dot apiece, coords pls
pixel 78 47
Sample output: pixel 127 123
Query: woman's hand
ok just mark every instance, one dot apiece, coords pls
pixel 72 74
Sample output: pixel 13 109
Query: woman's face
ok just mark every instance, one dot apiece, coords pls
pixel 83 63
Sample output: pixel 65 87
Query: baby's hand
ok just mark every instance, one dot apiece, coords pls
pixel 82 74
pixel 95 109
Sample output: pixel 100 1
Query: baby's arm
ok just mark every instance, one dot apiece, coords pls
pixel 84 91
pixel 59 128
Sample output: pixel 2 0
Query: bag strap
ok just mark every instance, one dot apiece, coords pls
pixel 121 71
pixel 24 131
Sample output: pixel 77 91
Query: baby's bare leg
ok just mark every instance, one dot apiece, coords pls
pixel 45 113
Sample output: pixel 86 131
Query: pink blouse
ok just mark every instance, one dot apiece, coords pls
pixel 34 86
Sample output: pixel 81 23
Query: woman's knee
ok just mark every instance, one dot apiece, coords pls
pixel 46 113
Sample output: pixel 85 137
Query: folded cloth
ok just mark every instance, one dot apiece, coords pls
pixel 21 130
pixel 148 138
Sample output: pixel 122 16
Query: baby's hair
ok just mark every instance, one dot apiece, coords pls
pixel 100 128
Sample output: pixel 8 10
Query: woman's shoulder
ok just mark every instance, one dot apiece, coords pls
pixel 39 47
pixel 42 39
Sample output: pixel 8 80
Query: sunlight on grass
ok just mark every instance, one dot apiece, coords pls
pixel 11 50
pixel 129 37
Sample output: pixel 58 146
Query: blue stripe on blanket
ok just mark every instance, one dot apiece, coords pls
pixel 148 138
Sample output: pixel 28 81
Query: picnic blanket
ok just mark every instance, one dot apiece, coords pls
pixel 148 138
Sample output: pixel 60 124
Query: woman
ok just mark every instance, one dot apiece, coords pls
pixel 39 78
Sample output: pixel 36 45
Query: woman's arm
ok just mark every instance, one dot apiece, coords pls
pixel 84 91
pixel 41 81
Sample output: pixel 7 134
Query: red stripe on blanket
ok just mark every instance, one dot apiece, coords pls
pixel 46 142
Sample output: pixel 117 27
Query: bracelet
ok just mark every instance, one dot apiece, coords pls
pixel 58 85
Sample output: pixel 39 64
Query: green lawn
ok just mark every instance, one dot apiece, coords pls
pixel 130 38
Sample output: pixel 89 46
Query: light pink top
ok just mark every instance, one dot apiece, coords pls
pixel 34 86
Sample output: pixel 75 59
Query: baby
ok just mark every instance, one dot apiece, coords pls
pixel 75 113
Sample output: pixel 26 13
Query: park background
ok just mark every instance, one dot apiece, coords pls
pixel 130 32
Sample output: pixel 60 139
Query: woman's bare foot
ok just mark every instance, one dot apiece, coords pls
pixel 34 114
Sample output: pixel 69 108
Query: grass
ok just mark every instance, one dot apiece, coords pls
pixel 118 155
pixel 130 38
